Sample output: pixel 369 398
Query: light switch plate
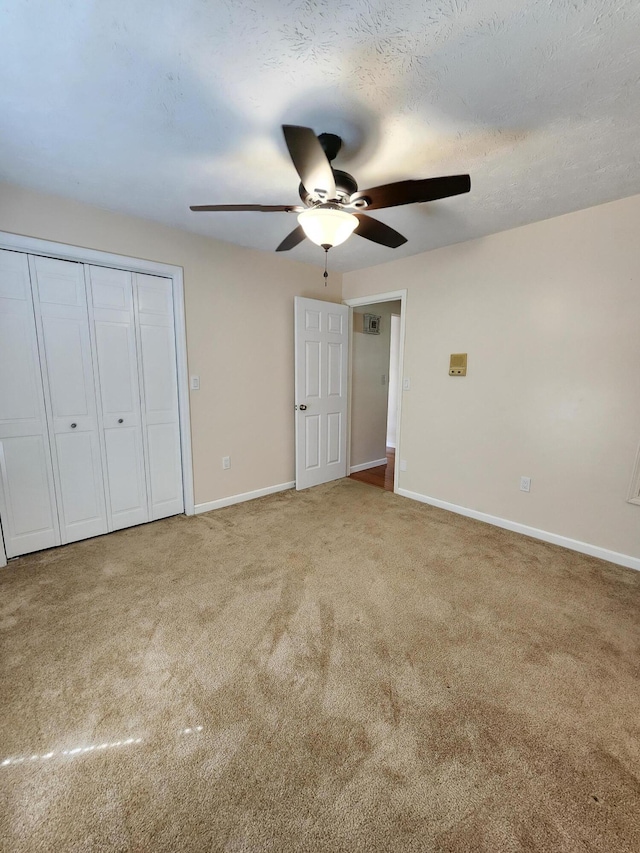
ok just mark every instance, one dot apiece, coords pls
pixel 195 383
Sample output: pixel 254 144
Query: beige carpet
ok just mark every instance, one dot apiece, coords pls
pixel 335 670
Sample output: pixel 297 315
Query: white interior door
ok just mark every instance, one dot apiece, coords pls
pixel 63 335
pixel 159 393
pixel 321 363
pixel 111 294
pixel 27 497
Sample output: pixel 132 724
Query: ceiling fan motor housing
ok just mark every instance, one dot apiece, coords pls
pixel 345 186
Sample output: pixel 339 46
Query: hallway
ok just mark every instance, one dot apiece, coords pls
pixel 382 476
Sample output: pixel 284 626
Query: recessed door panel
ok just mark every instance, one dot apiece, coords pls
pixel 21 389
pixel 158 363
pixel 127 489
pixel 313 369
pixel 14 276
pixel 335 323
pixel 312 320
pixel 164 467
pixel 334 430
pixel 312 432
pixel 60 283
pixel 334 371
pixel 80 481
pixel 116 346
pixel 154 296
pixel 66 345
pixel 24 468
pixel 109 289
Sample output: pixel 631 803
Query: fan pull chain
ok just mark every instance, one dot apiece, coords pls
pixel 326 258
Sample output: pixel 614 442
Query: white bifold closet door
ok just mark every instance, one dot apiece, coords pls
pixel 60 302
pixel 119 396
pixel 27 497
pixel 159 380
pixel 89 417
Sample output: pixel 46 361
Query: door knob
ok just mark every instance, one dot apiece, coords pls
pixel 303 408
pixel 73 426
pixel 120 420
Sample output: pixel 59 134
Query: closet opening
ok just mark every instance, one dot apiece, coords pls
pixel 94 419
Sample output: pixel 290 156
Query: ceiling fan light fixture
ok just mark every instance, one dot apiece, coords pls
pixel 327 226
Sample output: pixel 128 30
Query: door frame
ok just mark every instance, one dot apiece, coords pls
pixel 35 246
pixel 388 296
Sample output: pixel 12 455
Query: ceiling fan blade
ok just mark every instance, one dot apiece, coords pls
pixel 310 160
pixel 291 240
pixel 411 192
pixel 378 232
pixel 263 208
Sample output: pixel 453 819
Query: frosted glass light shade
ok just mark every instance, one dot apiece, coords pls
pixel 327 226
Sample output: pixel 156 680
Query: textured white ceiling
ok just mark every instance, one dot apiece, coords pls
pixel 147 107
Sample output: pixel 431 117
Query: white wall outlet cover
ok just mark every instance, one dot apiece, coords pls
pixel 226 462
pixel 406 384
pixel 525 484
pixel 195 383
pixel 403 464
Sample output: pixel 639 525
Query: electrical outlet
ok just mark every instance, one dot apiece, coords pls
pixel 226 462
pixel 195 383
pixel 525 484
pixel 403 464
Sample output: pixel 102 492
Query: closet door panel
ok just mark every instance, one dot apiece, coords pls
pixel 19 372
pixel 116 362
pixel 65 343
pixel 80 482
pixel 165 472
pixel 158 364
pixel 61 305
pixel 27 498
pixel 159 393
pixel 119 395
pixel 127 488
pixel 26 506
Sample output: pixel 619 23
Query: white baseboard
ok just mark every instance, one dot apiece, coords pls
pixel 516 527
pixel 374 464
pixel 246 496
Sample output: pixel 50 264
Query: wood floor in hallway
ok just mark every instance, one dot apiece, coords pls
pixel 382 475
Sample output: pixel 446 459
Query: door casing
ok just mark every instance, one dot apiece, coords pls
pixel 389 296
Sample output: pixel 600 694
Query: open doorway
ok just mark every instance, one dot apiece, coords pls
pixel 376 355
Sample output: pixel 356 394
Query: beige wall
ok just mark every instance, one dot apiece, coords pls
pixel 550 317
pixel 548 313
pixel 370 360
pixel 239 309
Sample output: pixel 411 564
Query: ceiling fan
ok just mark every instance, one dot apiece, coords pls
pixel 332 207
